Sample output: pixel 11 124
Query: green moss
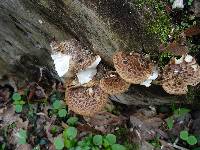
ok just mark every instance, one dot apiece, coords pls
pixel 164 58
pixel 160 25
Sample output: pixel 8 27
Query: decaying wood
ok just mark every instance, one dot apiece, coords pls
pixel 28 26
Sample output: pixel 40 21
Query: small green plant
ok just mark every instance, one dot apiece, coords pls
pixel 155 142
pixel 18 102
pixel 107 142
pixel 91 142
pixel 59 143
pixel 170 122
pixel 59 108
pixel 177 113
pixel 67 139
pixel 22 136
pixel 181 112
pixel 98 140
pixel 72 121
pixel 190 139
pixel 190 2
pixel 54 129
pixel 3 146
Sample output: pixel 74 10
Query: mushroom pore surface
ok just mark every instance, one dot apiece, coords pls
pixel 132 67
pixel 86 101
pixel 113 84
pixel 178 74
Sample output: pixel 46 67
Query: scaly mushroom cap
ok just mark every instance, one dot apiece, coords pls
pixel 180 73
pixel 113 84
pixel 132 67
pixel 86 101
pixel 81 58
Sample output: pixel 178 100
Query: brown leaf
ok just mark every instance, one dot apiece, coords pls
pixel 194 30
pixel 146 126
pixel 105 121
pixel 176 48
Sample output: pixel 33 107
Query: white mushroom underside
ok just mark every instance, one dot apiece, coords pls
pixel 179 61
pixel 61 62
pixel 84 76
pixel 188 58
pixel 152 77
pixel 178 4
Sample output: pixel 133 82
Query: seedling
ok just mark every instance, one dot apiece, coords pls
pixel 190 139
pixel 59 108
pixel 96 142
pixel 190 2
pixel 72 121
pixel 67 139
pixel 18 102
pixel 177 113
pixel 59 143
pixel 22 136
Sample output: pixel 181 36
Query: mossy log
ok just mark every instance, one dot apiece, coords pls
pixel 104 26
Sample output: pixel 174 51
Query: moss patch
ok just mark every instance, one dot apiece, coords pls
pixel 161 22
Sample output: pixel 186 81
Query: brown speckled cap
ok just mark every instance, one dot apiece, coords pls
pixel 113 84
pixel 176 77
pixel 132 67
pixel 86 101
pixel 81 58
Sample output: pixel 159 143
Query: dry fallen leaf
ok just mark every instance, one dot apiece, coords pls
pixel 194 30
pixel 176 48
pixel 105 121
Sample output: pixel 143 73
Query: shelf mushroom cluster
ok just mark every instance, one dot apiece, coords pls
pixel 88 98
pixel 179 73
pixel 135 68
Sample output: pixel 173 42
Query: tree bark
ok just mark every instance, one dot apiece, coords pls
pixel 27 27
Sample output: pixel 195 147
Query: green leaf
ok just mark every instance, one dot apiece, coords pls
pixel 57 104
pixel 18 108
pixel 118 147
pixel 192 140
pixel 184 135
pixel 111 138
pixel 2 146
pixel 70 133
pixel 22 136
pixel 16 97
pixel 170 122
pixel 62 113
pixel 59 143
pixel 106 143
pixel 16 102
pixel 97 140
pixel 21 102
pixel 181 111
pixel 70 143
pixel 72 121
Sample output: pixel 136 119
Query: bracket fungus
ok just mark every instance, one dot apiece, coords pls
pixel 71 58
pixel 133 67
pixel 180 73
pixel 113 84
pixel 86 101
